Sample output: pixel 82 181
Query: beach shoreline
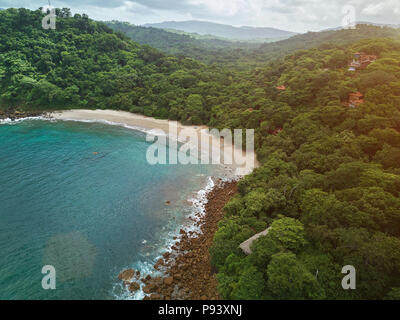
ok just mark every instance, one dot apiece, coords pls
pixel 206 142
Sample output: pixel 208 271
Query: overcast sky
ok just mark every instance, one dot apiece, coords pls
pixel 293 15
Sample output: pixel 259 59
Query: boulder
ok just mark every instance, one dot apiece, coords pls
pixel 126 275
pixel 155 296
pixel 134 286
pixel 168 281
pixel 158 264
pixel 167 255
pixel 147 289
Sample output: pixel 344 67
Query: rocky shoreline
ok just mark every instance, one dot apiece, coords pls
pixel 15 114
pixel 189 275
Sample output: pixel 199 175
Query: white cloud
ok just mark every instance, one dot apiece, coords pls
pixel 228 8
pixel 374 9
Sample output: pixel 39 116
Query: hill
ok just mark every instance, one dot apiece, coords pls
pixel 267 51
pixel 325 164
pixel 212 37
pixel 245 55
pixel 84 64
pixel 209 50
pixel 222 30
pixel 333 37
pixel 382 25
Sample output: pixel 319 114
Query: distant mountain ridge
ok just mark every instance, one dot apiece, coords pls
pixel 381 25
pixel 246 55
pixel 222 30
pixel 179 43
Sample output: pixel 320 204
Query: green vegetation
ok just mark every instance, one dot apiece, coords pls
pixel 246 55
pixel 317 39
pixel 329 182
pixel 208 50
pixel 84 64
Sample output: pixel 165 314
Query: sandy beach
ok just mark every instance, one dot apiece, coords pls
pixel 209 146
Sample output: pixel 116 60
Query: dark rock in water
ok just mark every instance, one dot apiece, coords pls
pixel 14 114
pixel 147 289
pixel 126 275
pixel 158 264
pixel 134 286
pixel 167 203
pixel 146 279
pixel 167 255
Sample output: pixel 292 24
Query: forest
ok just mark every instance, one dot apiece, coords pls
pixel 244 55
pixel 84 64
pixel 329 181
pixel 212 50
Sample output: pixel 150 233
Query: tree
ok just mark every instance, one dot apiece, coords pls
pixel 194 106
pixel 250 285
pixel 289 233
pixel 394 294
pixel 289 279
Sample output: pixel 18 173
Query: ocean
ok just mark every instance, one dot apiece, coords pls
pixel 81 197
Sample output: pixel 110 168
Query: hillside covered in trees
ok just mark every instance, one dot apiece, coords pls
pixel 210 51
pixel 246 55
pixel 328 37
pixel 329 182
pixel 84 64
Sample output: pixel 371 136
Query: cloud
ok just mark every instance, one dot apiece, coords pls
pixel 294 15
pixel 374 9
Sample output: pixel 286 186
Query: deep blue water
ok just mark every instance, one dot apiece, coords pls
pixel 82 197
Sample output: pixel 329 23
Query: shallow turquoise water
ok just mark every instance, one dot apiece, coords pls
pixel 82 197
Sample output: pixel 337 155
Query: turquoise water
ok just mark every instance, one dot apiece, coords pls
pixel 82 197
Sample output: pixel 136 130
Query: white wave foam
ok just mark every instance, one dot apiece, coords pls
pixel 152 132
pixel 9 121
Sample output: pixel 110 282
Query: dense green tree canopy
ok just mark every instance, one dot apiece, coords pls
pixel 329 181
